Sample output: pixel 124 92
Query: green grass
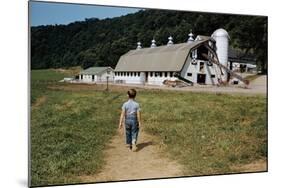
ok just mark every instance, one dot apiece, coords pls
pixel 206 133
pixel 68 135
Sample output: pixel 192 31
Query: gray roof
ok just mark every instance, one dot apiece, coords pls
pixel 204 37
pixel 95 70
pixel 236 55
pixel 162 58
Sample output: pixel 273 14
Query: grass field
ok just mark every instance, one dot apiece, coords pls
pixel 206 133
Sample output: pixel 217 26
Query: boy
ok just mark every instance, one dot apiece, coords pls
pixel 131 112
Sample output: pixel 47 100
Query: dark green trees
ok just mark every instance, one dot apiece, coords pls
pixel 95 42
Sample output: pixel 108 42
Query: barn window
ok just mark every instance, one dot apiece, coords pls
pixel 189 74
pixel 193 62
pixel 138 73
pixel 171 74
pixel 201 66
pixel 151 74
pixel 160 73
pixel 156 74
pixel 202 53
pixel 213 76
pixel 128 74
pixel 193 54
pixel 210 63
pixel 166 74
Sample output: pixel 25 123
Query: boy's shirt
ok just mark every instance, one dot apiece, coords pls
pixel 131 107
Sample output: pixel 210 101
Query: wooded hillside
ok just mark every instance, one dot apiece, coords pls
pixel 95 42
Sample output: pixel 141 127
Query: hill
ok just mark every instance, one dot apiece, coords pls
pixel 96 42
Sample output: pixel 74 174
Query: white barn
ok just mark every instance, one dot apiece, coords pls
pixel 96 74
pixel 188 60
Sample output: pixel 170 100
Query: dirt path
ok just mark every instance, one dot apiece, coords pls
pixel 147 162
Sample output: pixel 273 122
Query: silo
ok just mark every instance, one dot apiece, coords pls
pixel 221 37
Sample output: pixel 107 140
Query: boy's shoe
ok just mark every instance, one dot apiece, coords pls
pixel 129 146
pixel 134 148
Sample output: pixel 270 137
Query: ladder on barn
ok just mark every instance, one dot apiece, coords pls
pixel 218 72
pixel 215 60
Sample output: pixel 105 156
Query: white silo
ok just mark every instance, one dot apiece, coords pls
pixel 221 37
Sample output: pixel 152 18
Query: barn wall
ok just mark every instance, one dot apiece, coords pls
pixel 151 80
pixel 86 78
pixel 157 80
pixel 102 77
pixel 128 79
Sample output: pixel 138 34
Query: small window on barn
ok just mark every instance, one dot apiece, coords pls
pixel 138 73
pixel 160 73
pixel 171 74
pixel 213 76
pixel 166 74
pixel 128 73
pixel 151 74
pixel 156 74
pixel 210 63
pixel 201 66
pixel 189 74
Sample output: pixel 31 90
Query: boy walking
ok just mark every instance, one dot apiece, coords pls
pixel 131 113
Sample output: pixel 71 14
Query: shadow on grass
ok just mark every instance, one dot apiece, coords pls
pixel 143 145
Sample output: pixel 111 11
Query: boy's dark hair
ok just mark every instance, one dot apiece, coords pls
pixel 132 93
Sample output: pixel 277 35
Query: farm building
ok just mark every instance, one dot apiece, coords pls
pixel 96 74
pixel 241 62
pixel 189 61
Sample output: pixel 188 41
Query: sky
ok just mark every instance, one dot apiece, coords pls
pixel 45 13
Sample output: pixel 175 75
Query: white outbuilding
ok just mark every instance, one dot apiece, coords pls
pixel 96 74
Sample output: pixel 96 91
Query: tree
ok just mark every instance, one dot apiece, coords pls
pixel 95 42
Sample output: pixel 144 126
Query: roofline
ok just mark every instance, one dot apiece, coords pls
pixel 81 72
pixel 201 41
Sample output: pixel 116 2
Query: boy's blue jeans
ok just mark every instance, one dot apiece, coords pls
pixel 132 130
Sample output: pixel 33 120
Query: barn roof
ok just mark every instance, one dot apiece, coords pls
pixel 235 55
pixel 162 58
pixel 95 70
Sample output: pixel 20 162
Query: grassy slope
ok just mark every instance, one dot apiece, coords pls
pixel 69 131
pixel 208 133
